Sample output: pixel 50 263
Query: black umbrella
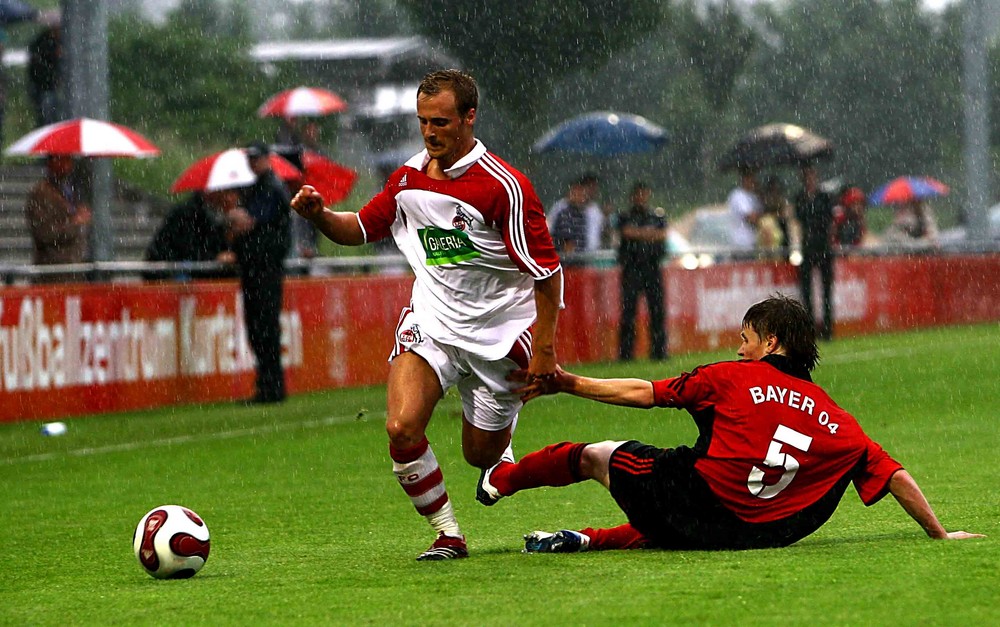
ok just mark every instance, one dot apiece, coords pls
pixel 776 144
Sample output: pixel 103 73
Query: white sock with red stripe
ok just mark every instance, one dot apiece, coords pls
pixel 418 473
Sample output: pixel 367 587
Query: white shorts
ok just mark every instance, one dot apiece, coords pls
pixel 487 400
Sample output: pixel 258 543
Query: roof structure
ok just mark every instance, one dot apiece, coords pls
pixel 378 77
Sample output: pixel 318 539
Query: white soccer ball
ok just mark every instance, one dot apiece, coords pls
pixel 171 542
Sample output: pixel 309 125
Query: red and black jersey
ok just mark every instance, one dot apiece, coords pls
pixel 772 444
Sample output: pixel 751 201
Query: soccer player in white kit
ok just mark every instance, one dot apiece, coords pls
pixel 485 300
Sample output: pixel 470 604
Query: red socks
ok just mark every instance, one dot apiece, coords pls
pixel 621 537
pixel 555 465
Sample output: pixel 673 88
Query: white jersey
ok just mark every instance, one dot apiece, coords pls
pixel 743 206
pixel 476 243
pixel 593 215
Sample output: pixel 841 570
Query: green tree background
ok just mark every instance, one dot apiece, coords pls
pixel 881 79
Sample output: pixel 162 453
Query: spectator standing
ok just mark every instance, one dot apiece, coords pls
pixel 196 229
pixel 45 74
pixel 814 212
pixel 912 221
pixel 773 233
pixel 744 210
pixel 59 222
pixel 599 216
pixel 642 236
pixel 575 220
pixel 261 239
pixel 849 229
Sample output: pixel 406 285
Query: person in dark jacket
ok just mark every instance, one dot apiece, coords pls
pixel 195 230
pixel 814 211
pixel 45 75
pixel 59 221
pixel 262 237
pixel 643 234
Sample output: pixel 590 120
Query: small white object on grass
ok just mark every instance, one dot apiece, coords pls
pixel 54 428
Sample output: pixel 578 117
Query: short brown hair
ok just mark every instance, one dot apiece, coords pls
pixel 458 82
pixel 787 320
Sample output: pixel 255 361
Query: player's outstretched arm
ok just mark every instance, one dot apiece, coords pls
pixel 627 392
pixel 341 227
pixel 905 490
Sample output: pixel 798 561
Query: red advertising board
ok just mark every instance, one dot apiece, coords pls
pixel 81 349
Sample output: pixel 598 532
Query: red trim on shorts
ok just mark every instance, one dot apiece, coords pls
pixel 520 352
pixel 627 462
pixel 397 347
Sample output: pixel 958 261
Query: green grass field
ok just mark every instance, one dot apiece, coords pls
pixel 309 527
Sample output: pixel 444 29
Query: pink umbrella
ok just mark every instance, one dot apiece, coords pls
pixel 226 170
pixel 84 137
pixel 302 101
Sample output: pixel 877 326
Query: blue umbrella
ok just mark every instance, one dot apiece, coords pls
pixel 604 134
pixel 12 11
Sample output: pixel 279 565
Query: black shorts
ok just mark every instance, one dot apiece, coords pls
pixel 667 500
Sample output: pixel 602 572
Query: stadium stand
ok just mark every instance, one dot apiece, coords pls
pixel 134 215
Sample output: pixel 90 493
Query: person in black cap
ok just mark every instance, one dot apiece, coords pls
pixel 261 242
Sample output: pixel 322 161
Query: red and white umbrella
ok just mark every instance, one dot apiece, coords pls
pixel 84 137
pixel 302 101
pixel 332 180
pixel 226 170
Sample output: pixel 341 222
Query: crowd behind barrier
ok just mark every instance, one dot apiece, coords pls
pixel 91 347
pixel 23 274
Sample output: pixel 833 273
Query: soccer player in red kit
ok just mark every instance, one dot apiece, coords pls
pixel 773 458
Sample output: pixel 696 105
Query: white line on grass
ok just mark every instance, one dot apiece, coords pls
pixel 179 439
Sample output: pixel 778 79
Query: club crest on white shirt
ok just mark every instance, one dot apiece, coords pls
pixel 462 220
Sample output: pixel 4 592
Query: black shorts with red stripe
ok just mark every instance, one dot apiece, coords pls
pixel 667 500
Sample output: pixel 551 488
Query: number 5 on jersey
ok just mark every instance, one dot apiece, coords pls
pixel 777 459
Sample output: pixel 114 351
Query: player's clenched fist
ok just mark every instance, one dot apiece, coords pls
pixel 308 203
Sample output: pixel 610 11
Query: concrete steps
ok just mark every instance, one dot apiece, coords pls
pixel 134 215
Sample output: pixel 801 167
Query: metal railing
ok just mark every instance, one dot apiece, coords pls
pixel 129 271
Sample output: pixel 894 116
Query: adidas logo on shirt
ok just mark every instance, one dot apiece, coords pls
pixel 402 181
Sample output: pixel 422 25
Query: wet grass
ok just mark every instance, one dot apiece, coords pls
pixel 308 526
